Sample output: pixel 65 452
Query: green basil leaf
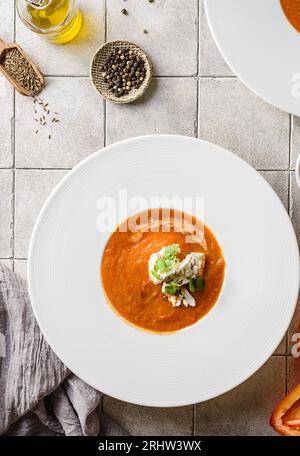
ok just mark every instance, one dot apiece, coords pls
pixel 192 285
pixel 171 250
pixel 200 283
pixel 160 265
pixel 155 275
pixel 169 289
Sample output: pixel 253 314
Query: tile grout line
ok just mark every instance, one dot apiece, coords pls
pixel 289 201
pixel 288 351
pixel 273 170
pixel 104 101
pixel 41 169
pixel 289 212
pixel 13 145
pixel 218 77
pixel 13 178
pixel 155 76
pixel 104 137
pixel 104 122
pixel 14 258
pixel 291 129
pixel 194 420
pixel 38 168
pixel 198 37
pixel 286 374
pixel 196 134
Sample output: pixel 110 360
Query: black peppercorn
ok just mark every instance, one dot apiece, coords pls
pixel 123 71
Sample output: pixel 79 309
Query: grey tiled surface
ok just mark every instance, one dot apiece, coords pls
pixel 79 132
pixel 235 118
pixel 31 190
pixel 172 27
pixel 295 216
pixel 195 94
pixel 211 61
pixel 6 213
pixel 293 372
pixel 247 408
pixel 6 123
pixel 151 421
pixel 279 180
pixel 155 113
pixel 295 205
pixel 294 329
pixel 295 150
pixel 7 20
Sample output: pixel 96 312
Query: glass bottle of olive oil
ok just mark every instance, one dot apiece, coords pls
pixel 58 20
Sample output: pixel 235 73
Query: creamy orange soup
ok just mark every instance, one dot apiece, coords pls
pixel 291 9
pixel 126 282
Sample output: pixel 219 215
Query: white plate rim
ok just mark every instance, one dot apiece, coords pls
pixel 178 402
pixel 237 73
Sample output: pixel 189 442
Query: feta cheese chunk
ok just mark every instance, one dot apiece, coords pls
pixel 192 265
pixel 165 268
pixel 182 298
pixel 156 275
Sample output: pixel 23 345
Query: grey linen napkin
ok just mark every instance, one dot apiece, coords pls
pixel 38 394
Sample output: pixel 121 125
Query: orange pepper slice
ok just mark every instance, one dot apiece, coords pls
pixel 286 417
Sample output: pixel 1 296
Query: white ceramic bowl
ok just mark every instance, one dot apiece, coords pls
pixel 261 47
pixel 202 361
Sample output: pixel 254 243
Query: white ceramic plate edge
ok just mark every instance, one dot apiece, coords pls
pixel 236 73
pixel 178 402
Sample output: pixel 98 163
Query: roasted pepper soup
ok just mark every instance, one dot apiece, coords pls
pixel 162 275
pixel 291 9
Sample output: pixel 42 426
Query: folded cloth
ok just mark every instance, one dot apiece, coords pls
pixel 38 394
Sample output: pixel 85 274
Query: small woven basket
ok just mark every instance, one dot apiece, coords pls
pixel 101 57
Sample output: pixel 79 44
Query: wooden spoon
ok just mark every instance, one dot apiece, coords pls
pixel 18 86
